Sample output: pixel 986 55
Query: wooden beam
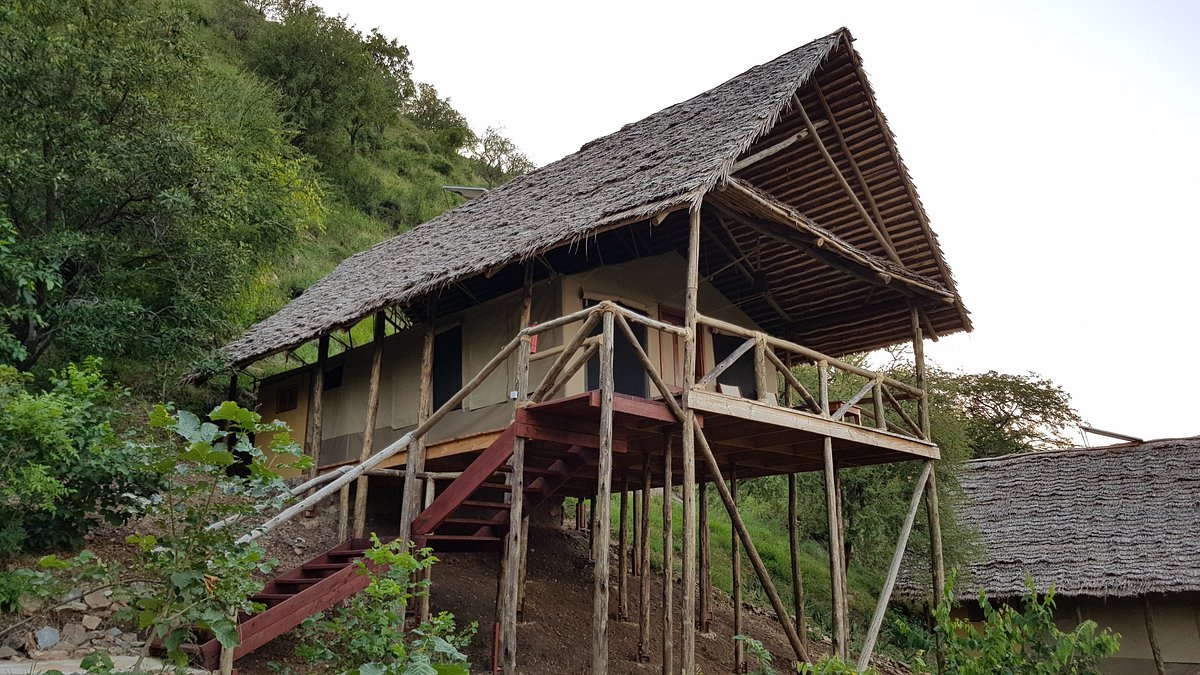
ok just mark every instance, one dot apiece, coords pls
pixel 368 443
pixel 415 462
pixel 603 503
pixel 704 401
pixel 774 149
pixel 885 594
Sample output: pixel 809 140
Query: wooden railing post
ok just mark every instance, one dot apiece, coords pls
pixel 511 582
pixel 877 403
pixel 823 375
pixel 603 503
pixel 690 346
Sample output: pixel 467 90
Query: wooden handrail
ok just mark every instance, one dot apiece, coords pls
pixel 811 354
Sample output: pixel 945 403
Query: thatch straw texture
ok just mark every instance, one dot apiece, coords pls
pixel 1115 521
pixel 665 161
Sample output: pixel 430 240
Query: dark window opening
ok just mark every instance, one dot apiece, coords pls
pixel 741 373
pixel 287 398
pixel 333 378
pixel 447 366
pixel 629 376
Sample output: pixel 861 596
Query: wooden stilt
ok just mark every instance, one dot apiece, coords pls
pixel 739 649
pixel 427 576
pixel 591 529
pixel 524 566
pixel 747 542
pixel 668 528
pixel 510 587
pixel 415 464
pixel 623 548
pixel 636 554
pixel 794 548
pixel 688 445
pixel 368 443
pixel 885 594
pixel 705 618
pixel 835 553
pixel 845 563
pixel 312 439
pixel 603 490
pixel 932 508
pixel 644 565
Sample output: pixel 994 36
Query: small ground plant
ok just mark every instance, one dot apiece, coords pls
pixel 365 637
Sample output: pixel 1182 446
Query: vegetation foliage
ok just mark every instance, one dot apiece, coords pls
pixel 364 637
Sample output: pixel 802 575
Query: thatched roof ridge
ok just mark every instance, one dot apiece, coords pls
pixel 664 162
pixel 1114 521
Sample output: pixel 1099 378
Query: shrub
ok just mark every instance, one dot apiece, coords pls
pixel 365 637
pixel 62 467
pixel 1018 641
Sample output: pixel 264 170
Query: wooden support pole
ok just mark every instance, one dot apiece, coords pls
pixel 427 577
pixel 579 516
pixel 688 445
pixel 705 618
pixel 932 508
pixel 844 558
pixel 877 403
pixel 644 565
pixel 415 463
pixel 524 566
pixel 794 548
pixel 885 594
pixel 368 443
pixel 735 556
pixel 668 581
pixel 623 548
pixel 835 552
pixel 638 533
pixel 1152 636
pixel 603 504
pixel 510 596
pixel 343 526
pixel 764 386
pixel 316 393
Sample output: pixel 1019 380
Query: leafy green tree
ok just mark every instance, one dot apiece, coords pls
pixel 148 187
pixel 1010 413
pixel 435 114
pixel 338 84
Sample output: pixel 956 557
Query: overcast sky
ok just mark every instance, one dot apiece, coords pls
pixel 1055 146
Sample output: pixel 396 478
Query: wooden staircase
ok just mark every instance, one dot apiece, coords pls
pixel 470 515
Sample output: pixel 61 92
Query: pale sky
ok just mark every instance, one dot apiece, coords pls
pixel 1054 144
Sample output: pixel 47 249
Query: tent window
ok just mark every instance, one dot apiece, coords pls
pixel 333 378
pixel 447 365
pixel 287 398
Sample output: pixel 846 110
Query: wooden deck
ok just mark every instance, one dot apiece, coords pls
pixel 760 439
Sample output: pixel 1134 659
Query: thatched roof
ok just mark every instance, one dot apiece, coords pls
pixel 1115 521
pixel 661 164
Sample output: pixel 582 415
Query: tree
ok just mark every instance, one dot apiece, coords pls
pixel 337 83
pixel 435 114
pixel 500 160
pixel 1010 413
pixel 148 187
